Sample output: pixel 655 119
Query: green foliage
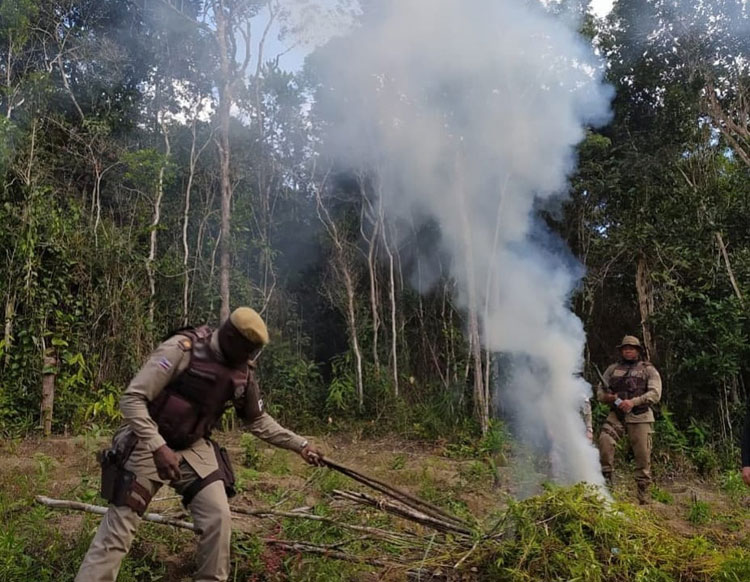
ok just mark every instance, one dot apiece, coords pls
pixel 667 433
pixel 699 512
pixel 342 389
pixel 732 484
pixel 398 462
pixel 83 154
pixel 247 552
pixel 331 480
pixel 251 454
pixel 661 495
pixel 584 538
pixel 277 463
pixel 734 568
pixel 291 384
pixel 478 473
pixel 496 441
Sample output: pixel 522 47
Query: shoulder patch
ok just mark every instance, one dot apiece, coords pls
pixel 165 364
pixel 185 344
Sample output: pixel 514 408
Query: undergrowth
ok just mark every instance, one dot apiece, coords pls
pixel 575 534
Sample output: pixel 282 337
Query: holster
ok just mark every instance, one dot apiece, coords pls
pixel 110 473
pixel 119 485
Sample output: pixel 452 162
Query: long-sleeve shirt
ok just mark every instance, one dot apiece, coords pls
pixel 650 397
pixel 166 362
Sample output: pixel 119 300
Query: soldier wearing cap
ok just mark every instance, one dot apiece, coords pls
pixel 631 387
pixel 169 409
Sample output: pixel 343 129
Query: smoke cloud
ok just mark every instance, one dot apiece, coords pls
pixel 469 113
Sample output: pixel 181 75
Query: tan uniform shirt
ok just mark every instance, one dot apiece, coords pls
pixel 650 397
pixel 166 363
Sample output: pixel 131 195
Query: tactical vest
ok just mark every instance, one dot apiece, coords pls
pixel 192 404
pixel 629 381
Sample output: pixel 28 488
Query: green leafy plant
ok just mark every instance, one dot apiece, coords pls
pixel 699 512
pixel 661 495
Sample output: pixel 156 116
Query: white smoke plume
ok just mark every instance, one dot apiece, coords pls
pixel 469 111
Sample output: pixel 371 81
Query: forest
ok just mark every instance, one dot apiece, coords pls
pixel 432 263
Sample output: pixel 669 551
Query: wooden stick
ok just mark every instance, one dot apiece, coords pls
pixel 100 510
pixel 402 496
pixel 403 511
pixel 392 535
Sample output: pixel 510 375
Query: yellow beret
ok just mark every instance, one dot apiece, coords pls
pixel 250 324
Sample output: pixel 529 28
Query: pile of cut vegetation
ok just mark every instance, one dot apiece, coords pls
pixel 576 534
pixel 564 534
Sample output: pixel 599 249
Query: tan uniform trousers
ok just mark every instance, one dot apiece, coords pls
pixel 639 434
pixel 210 511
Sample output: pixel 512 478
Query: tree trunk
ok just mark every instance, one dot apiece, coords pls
pixel 194 155
pixel 730 272
pixel 10 311
pixel 645 304
pixel 371 267
pixel 481 401
pixel 344 271
pixel 154 226
pixel 224 115
pixel 391 298
pixel 49 373
pixel 351 311
pixel 185 224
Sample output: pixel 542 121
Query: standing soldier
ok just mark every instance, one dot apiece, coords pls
pixel 631 387
pixel 169 409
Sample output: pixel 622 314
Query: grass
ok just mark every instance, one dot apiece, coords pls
pixel 699 512
pixel 733 486
pixel 562 534
pixel 662 495
pixel 573 534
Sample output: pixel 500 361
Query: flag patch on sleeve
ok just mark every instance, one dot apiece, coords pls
pixel 165 364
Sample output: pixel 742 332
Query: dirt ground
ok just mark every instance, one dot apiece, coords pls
pixel 65 468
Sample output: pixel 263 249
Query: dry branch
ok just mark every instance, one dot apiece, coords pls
pixel 393 536
pixel 415 503
pixel 100 510
pixel 403 511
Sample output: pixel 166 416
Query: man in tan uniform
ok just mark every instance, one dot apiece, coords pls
pixel 169 409
pixel 631 387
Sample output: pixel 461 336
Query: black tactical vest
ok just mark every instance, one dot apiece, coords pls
pixel 192 404
pixel 629 381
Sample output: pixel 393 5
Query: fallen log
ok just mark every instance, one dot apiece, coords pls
pixel 100 510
